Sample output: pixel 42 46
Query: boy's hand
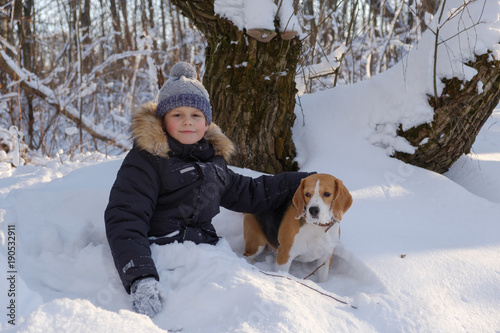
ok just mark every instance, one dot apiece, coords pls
pixel 147 295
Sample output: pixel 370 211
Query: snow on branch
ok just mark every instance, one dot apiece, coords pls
pixel 33 84
pixel 114 58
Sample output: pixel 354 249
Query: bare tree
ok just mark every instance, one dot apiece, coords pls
pixel 23 16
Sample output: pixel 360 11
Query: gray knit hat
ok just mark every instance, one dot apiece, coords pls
pixel 183 89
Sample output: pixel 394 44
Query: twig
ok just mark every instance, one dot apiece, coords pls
pixel 436 43
pixel 302 111
pixel 323 264
pixel 391 32
pixel 305 285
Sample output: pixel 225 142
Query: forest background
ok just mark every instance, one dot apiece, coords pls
pixel 93 61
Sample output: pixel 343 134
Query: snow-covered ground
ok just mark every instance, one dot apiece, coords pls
pixel 419 252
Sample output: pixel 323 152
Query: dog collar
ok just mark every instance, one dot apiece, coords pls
pixel 327 225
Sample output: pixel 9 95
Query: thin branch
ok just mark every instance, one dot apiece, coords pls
pixel 305 285
pixel 460 32
pixel 313 272
pixel 326 17
pixel 388 38
pixel 436 43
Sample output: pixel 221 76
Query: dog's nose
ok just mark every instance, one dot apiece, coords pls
pixel 314 211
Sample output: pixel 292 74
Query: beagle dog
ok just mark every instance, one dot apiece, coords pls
pixel 306 229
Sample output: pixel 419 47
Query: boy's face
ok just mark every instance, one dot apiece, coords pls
pixel 186 124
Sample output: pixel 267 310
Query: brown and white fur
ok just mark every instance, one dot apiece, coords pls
pixel 309 228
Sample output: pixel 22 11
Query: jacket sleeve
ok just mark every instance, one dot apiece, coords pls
pixel 257 195
pixel 131 204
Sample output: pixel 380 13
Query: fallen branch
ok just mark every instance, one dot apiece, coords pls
pixel 305 285
pixel 313 272
pixel 30 83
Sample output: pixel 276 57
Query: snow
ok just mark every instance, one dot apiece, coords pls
pixel 448 280
pixel 399 95
pixel 329 63
pixel 258 14
pixel 419 251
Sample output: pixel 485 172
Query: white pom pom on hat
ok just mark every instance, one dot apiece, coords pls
pixel 183 89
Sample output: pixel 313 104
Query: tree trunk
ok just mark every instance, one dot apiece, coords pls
pixel 85 22
pixel 163 43
pixel 152 22
pixel 460 112
pixel 126 29
pixel 85 32
pixel 115 17
pixel 252 89
pixel 173 33
pixel 26 43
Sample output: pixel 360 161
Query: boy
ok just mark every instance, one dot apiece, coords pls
pixel 172 183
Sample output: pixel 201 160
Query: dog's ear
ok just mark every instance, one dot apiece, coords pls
pixel 342 201
pixel 298 200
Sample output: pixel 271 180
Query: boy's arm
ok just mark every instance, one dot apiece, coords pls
pixel 257 195
pixel 131 204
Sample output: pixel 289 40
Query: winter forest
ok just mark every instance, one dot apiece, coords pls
pixel 85 64
pixel 399 99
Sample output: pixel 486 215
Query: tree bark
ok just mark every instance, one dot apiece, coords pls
pixel 252 89
pixel 460 112
pixel 85 22
pixel 126 29
pixel 26 41
pixel 115 16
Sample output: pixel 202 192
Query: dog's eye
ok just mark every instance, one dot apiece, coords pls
pixel 307 194
pixel 327 194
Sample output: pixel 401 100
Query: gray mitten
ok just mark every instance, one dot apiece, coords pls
pixel 147 295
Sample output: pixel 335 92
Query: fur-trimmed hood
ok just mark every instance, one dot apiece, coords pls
pixel 148 134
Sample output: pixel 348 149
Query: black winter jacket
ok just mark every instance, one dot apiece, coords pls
pixel 166 191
